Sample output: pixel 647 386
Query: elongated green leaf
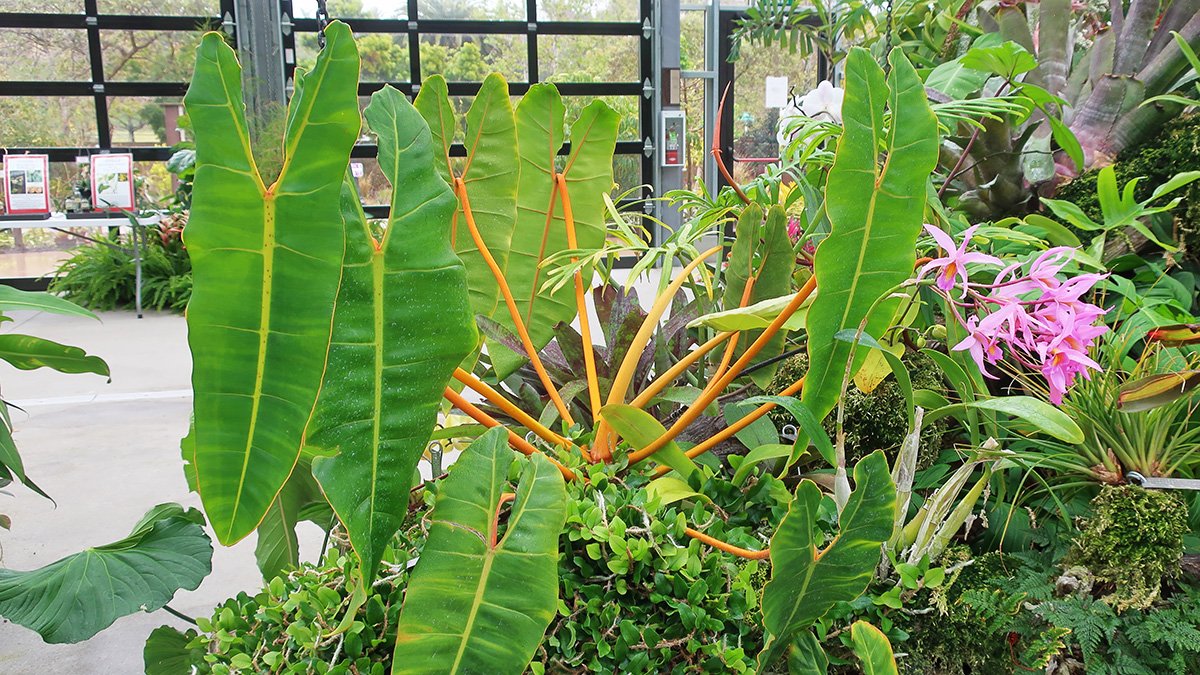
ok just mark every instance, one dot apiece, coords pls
pixel 30 353
pixel 266 266
pixel 806 581
pixel 758 455
pixel 670 489
pixel 873 649
pixel 639 429
pixel 761 256
pixel 489 172
pixel 876 207
pixel 1151 392
pixel 403 322
pixel 1042 415
pixel 540 230
pixel 479 603
pixel 758 315
pixel 13 299
pixel 72 599
pixel 811 430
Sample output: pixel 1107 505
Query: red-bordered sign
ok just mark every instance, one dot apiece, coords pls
pixel 112 182
pixel 27 183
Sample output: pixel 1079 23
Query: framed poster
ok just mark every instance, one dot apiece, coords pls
pixel 27 183
pixel 112 182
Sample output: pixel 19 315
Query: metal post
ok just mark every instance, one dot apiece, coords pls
pixel 670 177
pixel 260 49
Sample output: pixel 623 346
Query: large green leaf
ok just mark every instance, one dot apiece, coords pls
pixel 479 603
pixel 30 353
pixel 489 173
pixel 402 324
pixel 876 204
pixel 807 581
pixel 74 598
pixel 540 230
pixel 14 299
pixel 762 256
pixel 266 266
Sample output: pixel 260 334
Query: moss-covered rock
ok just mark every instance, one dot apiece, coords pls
pixel 1133 541
pixel 1173 150
pixel 874 421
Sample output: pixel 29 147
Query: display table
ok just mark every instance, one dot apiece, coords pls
pixel 60 221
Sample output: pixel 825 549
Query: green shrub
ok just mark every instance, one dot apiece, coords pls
pixel 1133 541
pixel 296 625
pixel 102 277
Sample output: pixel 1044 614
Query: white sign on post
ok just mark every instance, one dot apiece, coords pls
pixel 27 183
pixel 776 92
pixel 112 182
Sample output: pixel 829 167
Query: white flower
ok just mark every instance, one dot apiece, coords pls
pixel 823 103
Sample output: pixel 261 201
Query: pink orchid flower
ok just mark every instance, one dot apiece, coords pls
pixel 982 346
pixel 953 265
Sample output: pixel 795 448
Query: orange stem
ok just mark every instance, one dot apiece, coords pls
pixel 497 399
pixel 716 151
pixel 504 499
pixel 662 381
pixel 726 547
pixel 732 346
pixel 461 188
pixel 585 323
pixel 624 377
pixel 710 393
pixel 726 433
pixel 519 444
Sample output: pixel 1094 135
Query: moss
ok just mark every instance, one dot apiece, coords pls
pixel 875 421
pixel 1134 542
pixel 1174 149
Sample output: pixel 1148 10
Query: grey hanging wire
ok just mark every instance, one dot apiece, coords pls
pixel 322 21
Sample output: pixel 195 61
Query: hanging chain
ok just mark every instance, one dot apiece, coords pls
pixel 322 21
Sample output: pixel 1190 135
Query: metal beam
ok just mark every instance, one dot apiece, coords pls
pixel 260 49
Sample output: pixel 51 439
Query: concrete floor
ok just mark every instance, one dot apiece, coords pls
pixel 106 453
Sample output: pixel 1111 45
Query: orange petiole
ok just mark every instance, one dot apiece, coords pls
pixel 727 547
pixel 460 188
pixel 497 399
pixel 519 444
pixel 712 392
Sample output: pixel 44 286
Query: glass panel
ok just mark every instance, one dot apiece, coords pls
pixel 44 54
pixel 384 55
pixel 45 6
pixel 627 172
pixel 148 56
pixel 158 7
pixel 691 39
pixel 626 106
pixel 354 9
pixel 142 120
pixel 588 58
pixel 488 10
pixel 599 10
pixel 755 126
pixel 373 186
pixel 154 187
pixel 470 58
pixel 691 99
pixel 47 121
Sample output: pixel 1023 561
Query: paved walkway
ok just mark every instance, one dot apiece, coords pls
pixel 106 453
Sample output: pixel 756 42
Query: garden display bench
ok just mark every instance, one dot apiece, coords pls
pixel 60 221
